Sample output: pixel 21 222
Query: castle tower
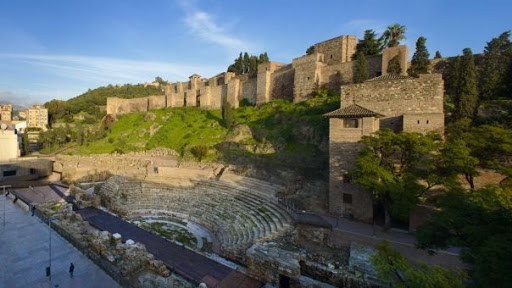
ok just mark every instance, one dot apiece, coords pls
pixel 337 50
pixel 402 52
pixel 346 127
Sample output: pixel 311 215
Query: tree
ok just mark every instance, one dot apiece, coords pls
pixel 455 159
pixel 420 63
pixel 369 45
pixel 480 223
pixel 392 36
pixel 160 81
pixel 496 62
pixel 466 98
pixel 452 84
pixel 360 70
pixel 199 151
pixel 227 114
pixel 438 55
pixel 393 268
pixel 246 63
pixel 394 66
pixel 390 166
pixel 310 50
pixel 26 143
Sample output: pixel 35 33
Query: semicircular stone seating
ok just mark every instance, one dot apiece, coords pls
pixel 238 210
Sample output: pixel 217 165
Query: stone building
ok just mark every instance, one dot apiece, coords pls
pixel 396 102
pixel 6 112
pixel 37 116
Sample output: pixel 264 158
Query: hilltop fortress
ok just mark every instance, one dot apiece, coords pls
pixel 329 67
pixel 385 101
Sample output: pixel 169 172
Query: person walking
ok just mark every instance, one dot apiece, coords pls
pixel 71 269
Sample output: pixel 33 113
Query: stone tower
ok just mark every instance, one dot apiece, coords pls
pixel 346 127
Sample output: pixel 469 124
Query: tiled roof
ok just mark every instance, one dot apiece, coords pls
pixel 389 77
pixel 352 111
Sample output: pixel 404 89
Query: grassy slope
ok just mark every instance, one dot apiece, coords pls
pixel 280 123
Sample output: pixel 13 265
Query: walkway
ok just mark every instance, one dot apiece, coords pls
pixel 24 254
pixel 185 262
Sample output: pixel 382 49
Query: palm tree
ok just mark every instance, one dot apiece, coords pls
pixel 392 36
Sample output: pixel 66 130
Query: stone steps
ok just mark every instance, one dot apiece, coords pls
pixel 235 214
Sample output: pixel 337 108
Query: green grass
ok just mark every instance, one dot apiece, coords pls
pixel 279 123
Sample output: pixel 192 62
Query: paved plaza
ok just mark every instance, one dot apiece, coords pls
pixel 24 255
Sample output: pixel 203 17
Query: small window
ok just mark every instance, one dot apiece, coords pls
pixel 9 173
pixel 350 123
pixel 347 198
pixel 33 171
pixel 427 121
pixel 418 121
pixel 347 178
pixel 308 78
pixel 331 56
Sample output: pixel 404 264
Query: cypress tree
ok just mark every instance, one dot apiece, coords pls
pixel 466 98
pixel 438 55
pixel 452 84
pixel 394 66
pixel 360 70
pixel 419 63
pixel 227 113
pixel 369 45
pixel 494 69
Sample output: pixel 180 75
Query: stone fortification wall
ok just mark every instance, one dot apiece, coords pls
pixel 395 98
pixel 307 75
pixel 248 90
pixel 282 83
pixel 337 50
pixel 330 66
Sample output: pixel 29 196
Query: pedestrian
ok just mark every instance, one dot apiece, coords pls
pixel 71 269
pixel 33 209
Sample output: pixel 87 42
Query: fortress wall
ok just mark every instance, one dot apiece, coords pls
pixel 217 93
pixel 403 55
pixel 398 97
pixel 337 50
pixel 233 92
pixel 248 90
pixel 282 83
pixel 157 102
pixel 132 105
pixel 191 96
pixel 423 123
pixel 307 76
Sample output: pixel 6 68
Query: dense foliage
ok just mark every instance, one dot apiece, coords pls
pixel 394 66
pixel 360 70
pixel 392 36
pixel 246 63
pixel 90 101
pixel 369 45
pixel 393 268
pixel 420 63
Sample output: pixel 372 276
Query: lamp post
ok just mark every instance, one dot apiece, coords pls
pixel 49 268
pixel 5 198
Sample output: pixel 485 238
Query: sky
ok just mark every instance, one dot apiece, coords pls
pixel 58 49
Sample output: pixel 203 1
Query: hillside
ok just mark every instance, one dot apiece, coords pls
pixel 92 100
pixel 279 132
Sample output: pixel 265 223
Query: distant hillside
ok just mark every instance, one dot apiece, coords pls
pixel 91 101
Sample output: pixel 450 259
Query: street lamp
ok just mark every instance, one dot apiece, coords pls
pixel 49 268
pixel 5 199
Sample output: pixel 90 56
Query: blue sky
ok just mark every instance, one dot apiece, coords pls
pixel 57 49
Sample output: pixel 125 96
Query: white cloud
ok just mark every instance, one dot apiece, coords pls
pixel 204 25
pixel 111 70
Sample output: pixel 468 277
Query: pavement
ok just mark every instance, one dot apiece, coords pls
pixel 24 255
